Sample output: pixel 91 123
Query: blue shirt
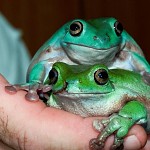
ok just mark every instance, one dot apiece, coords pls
pixel 14 57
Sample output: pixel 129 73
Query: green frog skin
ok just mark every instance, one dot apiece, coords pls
pixel 95 90
pixel 101 40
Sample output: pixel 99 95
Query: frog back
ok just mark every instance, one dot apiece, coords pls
pixel 130 82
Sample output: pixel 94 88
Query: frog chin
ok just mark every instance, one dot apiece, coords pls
pixel 81 54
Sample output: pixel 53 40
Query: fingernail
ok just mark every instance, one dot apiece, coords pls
pixel 132 143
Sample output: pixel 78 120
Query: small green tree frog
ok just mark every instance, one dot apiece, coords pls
pixel 101 40
pixel 95 90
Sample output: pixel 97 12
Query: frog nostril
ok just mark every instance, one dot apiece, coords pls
pixel 95 37
pixel 107 37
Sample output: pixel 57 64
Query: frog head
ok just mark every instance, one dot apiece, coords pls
pixel 79 88
pixel 79 79
pixel 95 39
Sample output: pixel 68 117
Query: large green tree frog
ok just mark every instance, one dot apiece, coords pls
pixel 95 90
pixel 101 40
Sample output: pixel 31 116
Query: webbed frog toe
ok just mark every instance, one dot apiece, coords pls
pixel 96 144
pixel 33 90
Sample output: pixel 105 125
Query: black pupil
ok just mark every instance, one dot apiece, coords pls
pixel 53 76
pixel 74 27
pixel 118 28
pixel 103 75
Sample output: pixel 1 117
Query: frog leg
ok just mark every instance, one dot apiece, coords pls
pixel 141 65
pixel 99 125
pixel 146 77
pixel 134 112
pixel 35 85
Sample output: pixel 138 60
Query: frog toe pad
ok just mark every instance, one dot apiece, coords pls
pixel 11 89
pixel 32 90
pixel 32 96
pixel 96 144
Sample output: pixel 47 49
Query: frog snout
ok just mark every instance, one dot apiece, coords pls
pixel 102 39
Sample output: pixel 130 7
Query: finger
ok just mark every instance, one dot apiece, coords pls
pixel 147 146
pixel 136 138
pixel 4 147
pixel 3 80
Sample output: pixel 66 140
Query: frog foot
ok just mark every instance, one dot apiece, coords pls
pixel 96 144
pixel 117 125
pixel 33 90
pixel 99 143
pixel 118 144
pixel 146 77
pixel 99 125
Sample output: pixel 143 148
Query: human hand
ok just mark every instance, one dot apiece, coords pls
pixel 33 125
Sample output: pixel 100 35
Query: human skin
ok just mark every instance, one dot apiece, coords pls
pixel 33 125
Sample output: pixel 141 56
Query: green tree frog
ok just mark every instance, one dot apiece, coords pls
pixel 95 90
pixel 101 40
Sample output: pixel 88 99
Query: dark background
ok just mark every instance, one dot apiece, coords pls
pixel 39 19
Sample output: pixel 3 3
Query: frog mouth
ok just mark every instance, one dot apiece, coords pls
pixel 83 54
pixel 90 47
pixel 65 93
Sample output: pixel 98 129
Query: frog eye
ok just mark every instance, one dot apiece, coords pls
pixel 76 28
pixel 53 76
pixel 118 28
pixel 101 76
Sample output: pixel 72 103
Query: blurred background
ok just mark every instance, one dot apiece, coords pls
pixel 39 19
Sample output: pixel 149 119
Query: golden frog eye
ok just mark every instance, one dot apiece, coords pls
pixel 53 76
pixel 118 28
pixel 76 28
pixel 101 76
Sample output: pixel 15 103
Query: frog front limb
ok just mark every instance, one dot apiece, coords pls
pixel 35 83
pixel 132 113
